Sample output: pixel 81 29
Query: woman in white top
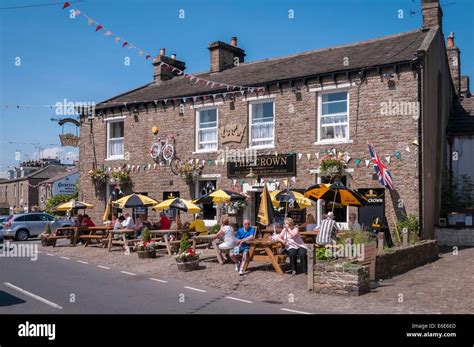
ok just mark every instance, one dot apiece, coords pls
pixel 294 245
pixel 227 233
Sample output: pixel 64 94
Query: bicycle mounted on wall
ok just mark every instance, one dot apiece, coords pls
pixel 163 151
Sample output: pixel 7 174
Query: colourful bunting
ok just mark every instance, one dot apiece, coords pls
pixel 398 154
pixel 98 28
pixel 367 162
pixel 357 162
pixel 66 5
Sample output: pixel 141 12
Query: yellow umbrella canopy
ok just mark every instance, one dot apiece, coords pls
pixel 134 200
pixel 220 196
pixel 73 205
pixel 335 193
pixel 300 199
pixel 107 209
pixel 179 204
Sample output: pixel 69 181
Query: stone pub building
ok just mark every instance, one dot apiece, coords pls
pixel 395 91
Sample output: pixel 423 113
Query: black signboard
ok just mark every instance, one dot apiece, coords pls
pixel 281 165
pixel 170 195
pixel 375 206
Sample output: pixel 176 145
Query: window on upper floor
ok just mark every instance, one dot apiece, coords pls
pixel 115 139
pixel 333 116
pixel 262 124
pixel 206 129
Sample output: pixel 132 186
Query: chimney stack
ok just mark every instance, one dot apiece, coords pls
pixel 162 72
pixel 225 56
pixel 454 61
pixel 432 14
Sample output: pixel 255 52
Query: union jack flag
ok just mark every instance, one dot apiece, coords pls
pixel 385 178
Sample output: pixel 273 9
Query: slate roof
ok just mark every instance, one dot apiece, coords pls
pixel 461 121
pixel 398 48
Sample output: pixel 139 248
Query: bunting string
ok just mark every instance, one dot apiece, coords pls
pixel 143 53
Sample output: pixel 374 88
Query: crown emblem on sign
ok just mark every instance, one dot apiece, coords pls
pixel 232 133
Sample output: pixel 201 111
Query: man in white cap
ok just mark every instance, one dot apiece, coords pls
pixel 327 230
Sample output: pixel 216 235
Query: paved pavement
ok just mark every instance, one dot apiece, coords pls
pixel 55 284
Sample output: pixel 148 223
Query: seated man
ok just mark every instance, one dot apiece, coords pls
pixel 198 226
pixel 165 222
pixel 246 233
pixel 327 230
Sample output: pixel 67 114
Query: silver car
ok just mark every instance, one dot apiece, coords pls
pixel 25 225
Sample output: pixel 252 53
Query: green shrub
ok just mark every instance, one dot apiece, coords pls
pixel 146 235
pixel 215 229
pixel 358 237
pixel 184 243
pixel 321 254
pixel 47 230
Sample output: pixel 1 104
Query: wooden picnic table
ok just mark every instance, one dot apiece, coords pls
pixel 104 229
pixel 122 241
pixel 170 244
pixel 309 236
pixel 265 250
pixel 209 239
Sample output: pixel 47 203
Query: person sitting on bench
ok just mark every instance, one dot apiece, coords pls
pixel 246 233
pixel 327 230
pixel 290 237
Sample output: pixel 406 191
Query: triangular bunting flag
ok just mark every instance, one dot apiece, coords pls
pixel 234 182
pixel 347 158
pixel 108 33
pixel 154 166
pixel 209 162
pixel 407 149
pixel 217 162
pixel 357 162
pixel 316 154
pixel 300 155
pixel 222 161
pixel 117 39
pixel 98 28
pixel 308 155
pixel 415 142
pixel 367 162
pixel 124 44
pixel 90 21
pixel 293 179
pixel 334 151
pixel 398 154
pixel 285 182
pixel 388 159
pixel 66 5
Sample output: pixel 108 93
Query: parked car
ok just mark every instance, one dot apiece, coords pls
pixel 3 219
pixel 25 225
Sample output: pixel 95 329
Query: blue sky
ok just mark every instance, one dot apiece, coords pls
pixel 62 58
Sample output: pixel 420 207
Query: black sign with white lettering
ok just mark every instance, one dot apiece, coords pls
pixel 281 165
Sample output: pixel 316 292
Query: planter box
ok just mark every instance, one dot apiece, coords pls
pixel 341 278
pixel 146 254
pixel 45 242
pixel 188 265
pixel 403 259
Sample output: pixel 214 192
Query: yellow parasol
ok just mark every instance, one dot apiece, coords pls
pixel 73 205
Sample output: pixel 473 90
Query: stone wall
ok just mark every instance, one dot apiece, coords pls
pixel 404 259
pixel 295 131
pixel 455 236
pixel 341 278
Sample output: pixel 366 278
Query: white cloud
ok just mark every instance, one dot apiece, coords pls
pixel 60 153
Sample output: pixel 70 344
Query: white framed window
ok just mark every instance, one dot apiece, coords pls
pixel 262 124
pixel 115 139
pixel 333 116
pixel 206 129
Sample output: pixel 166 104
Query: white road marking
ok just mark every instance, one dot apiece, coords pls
pixel 237 299
pixel 82 262
pixel 128 273
pixel 157 280
pixel 288 310
pixel 34 296
pixel 197 290
pixel 103 267
pixel 51 255
pixel 64 258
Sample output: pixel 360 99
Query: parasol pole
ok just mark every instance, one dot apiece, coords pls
pixel 334 202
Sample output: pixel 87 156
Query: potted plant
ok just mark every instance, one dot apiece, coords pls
pixel 332 167
pixel 44 236
pixel 146 248
pixel 119 176
pixel 190 171
pixel 187 259
pixel 98 176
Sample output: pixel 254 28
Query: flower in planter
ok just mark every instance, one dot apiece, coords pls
pixel 188 255
pixel 331 166
pixel 120 175
pixel 190 171
pixel 98 176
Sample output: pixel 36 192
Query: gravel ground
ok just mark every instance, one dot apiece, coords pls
pixel 440 287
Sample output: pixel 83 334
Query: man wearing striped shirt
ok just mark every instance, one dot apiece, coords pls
pixel 327 230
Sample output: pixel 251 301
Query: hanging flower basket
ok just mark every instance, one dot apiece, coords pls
pixel 98 177
pixel 190 171
pixel 332 167
pixel 119 176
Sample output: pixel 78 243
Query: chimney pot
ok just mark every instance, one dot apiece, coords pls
pixel 451 40
pixel 233 41
pixel 162 51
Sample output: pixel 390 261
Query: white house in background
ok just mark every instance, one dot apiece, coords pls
pixel 61 184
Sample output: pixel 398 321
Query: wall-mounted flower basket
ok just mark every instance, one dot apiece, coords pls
pixel 332 167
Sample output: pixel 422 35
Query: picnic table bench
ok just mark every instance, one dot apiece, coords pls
pixel 209 240
pixel 265 250
pixel 93 234
pixel 164 240
pixel 122 240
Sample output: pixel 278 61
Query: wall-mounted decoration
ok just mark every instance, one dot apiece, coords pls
pixel 232 133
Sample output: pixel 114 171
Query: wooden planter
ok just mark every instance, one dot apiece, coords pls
pixel 188 265
pixel 46 242
pixel 147 254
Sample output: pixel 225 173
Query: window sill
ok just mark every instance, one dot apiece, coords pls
pixel 332 142
pixel 114 158
pixel 260 147
pixel 206 152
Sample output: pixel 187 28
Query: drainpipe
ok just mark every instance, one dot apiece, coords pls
pixel 420 73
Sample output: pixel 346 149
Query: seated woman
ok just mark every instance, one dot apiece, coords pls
pixel 310 224
pixel 227 233
pixel 294 245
